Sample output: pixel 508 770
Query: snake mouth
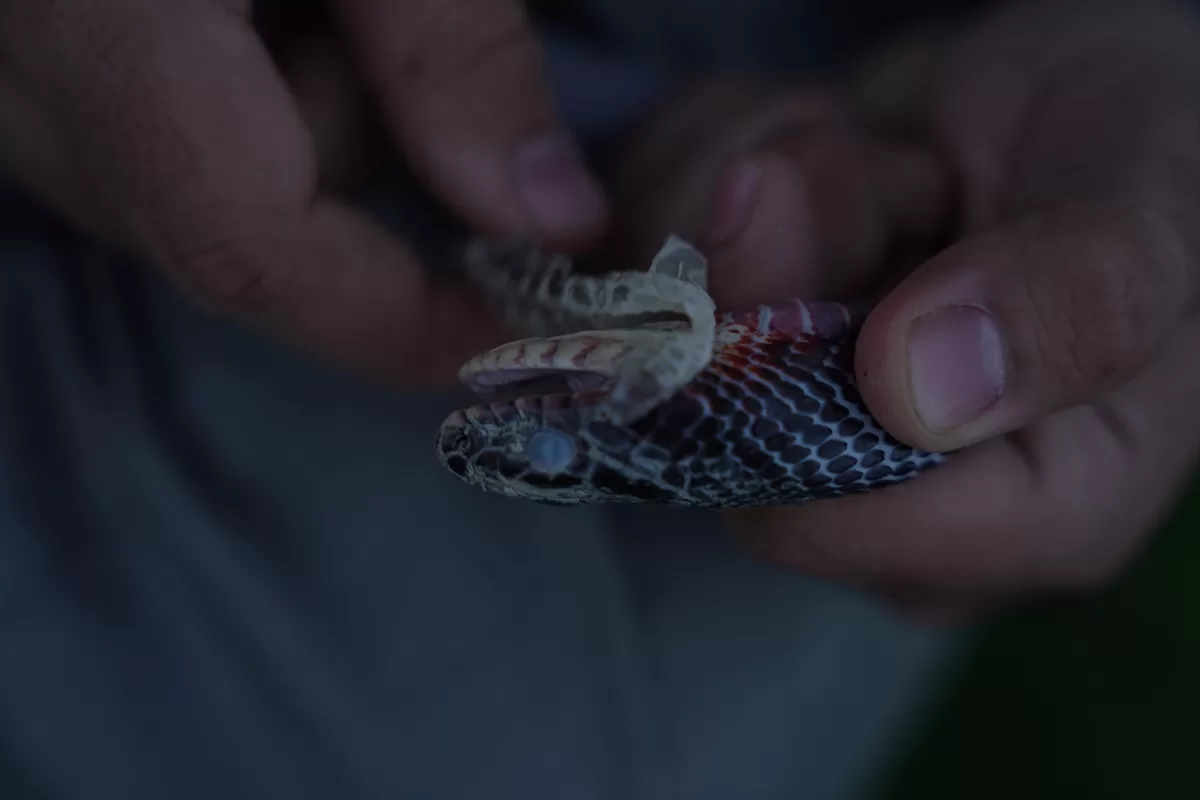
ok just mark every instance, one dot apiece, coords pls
pixel 521 442
pixel 509 385
pixel 511 405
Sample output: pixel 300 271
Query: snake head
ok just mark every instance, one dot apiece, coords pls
pixel 562 418
pixel 631 388
pixel 511 448
pixel 555 448
pixel 619 345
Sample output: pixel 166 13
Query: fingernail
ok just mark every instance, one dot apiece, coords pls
pixel 956 365
pixel 556 186
pixel 734 200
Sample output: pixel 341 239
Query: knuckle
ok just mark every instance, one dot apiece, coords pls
pixel 224 275
pixel 1111 306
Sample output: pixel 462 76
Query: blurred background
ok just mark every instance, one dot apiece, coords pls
pixel 1092 699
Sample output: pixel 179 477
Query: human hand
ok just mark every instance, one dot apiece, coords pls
pixel 1052 344
pixel 168 127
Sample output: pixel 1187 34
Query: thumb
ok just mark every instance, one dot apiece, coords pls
pixel 1050 311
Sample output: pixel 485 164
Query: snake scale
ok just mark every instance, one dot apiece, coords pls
pixel 633 387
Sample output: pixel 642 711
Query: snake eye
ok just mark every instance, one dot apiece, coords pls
pixel 550 451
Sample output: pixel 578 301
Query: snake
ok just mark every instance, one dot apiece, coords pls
pixel 633 386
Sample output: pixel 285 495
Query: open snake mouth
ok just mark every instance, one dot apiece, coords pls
pixel 524 425
pixel 507 385
pixel 541 433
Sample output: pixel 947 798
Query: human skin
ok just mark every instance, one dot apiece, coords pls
pixel 1060 140
pixel 1049 177
pixel 169 129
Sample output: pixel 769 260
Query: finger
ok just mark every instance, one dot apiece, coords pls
pixel 1081 178
pixel 183 132
pixel 1059 507
pixel 325 89
pixel 1041 314
pixel 462 90
pixel 817 215
pixel 665 172
pixel 786 199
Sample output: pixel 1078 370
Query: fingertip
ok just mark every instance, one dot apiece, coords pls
pixel 736 196
pixel 561 197
pixel 882 371
pixel 463 93
pixel 796 218
pixel 956 367
pixel 932 359
pixel 761 233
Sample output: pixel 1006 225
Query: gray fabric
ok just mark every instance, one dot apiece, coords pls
pixel 227 572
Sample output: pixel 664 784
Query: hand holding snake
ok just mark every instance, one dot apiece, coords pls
pixel 1048 347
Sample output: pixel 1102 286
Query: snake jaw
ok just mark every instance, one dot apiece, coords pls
pixel 555 449
pixel 501 447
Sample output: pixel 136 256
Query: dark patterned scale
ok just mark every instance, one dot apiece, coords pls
pixel 774 419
